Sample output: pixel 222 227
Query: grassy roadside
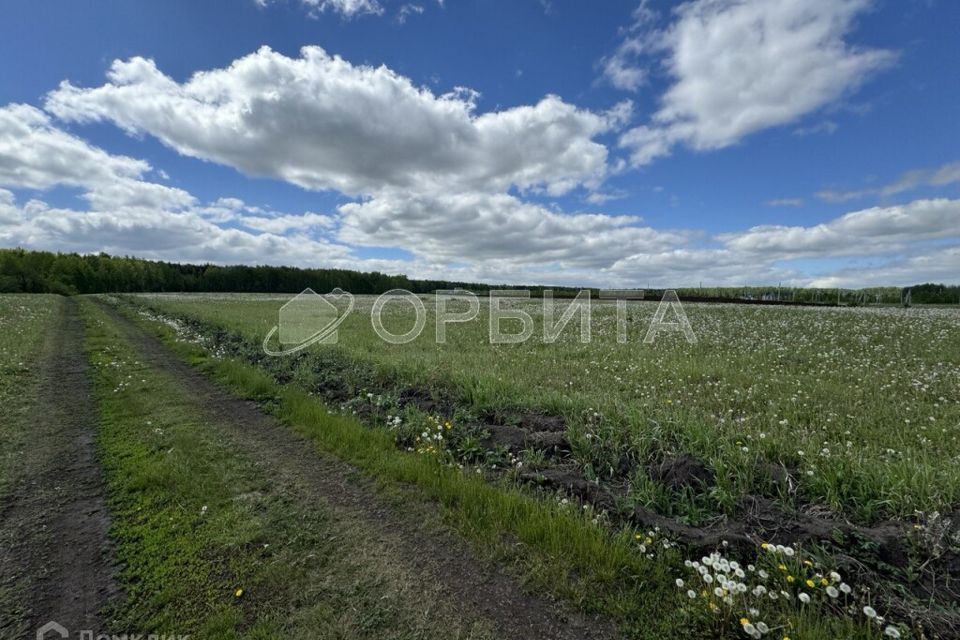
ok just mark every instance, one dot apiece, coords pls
pixel 212 545
pixel 622 574
pixel 24 321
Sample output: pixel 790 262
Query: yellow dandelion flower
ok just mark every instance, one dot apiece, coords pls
pixel 744 621
pixel 238 593
pixel 790 578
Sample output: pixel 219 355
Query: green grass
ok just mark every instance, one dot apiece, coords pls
pixel 25 320
pixel 196 519
pixel 861 404
pixel 561 549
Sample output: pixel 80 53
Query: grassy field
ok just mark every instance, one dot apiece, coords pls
pixel 831 415
pixel 792 474
pixel 861 405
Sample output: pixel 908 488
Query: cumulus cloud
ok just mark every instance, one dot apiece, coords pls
pixel 466 193
pixel 166 235
pixel 321 122
pixel 621 69
pixel 431 174
pixel 34 154
pixel 738 67
pixel 688 267
pixel 128 214
pixel 480 227
pixel 897 245
pixel 936 265
pixel 868 232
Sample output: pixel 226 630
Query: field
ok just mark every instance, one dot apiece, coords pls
pixel 835 429
pixel 860 406
pixel 791 474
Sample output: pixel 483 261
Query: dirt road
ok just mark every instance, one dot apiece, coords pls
pixel 478 590
pixel 55 556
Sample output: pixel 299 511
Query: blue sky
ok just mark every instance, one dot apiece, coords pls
pixel 813 142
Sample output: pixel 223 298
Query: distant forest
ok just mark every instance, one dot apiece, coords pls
pixel 70 273
pixel 23 271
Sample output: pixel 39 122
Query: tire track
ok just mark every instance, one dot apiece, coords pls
pixel 58 559
pixel 476 590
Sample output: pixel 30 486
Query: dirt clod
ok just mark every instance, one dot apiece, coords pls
pixel 678 472
pixel 515 439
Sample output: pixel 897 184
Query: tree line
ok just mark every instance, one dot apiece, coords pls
pixel 23 271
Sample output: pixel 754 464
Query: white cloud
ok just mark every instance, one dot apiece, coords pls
pixel 429 174
pixel 741 66
pixel 601 197
pixel 868 232
pixel 937 265
pixel 289 222
pixel 321 122
pixel 433 175
pixel 480 227
pixel 34 154
pixel 837 197
pixel 408 10
pixel 128 214
pixel 786 202
pixel 621 69
pixel 158 234
pixel 940 177
pixel 905 244
pixel 688 267
pixel 828 127
pixel 346 8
